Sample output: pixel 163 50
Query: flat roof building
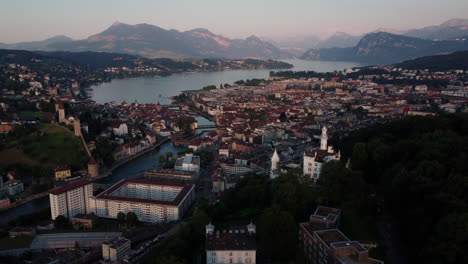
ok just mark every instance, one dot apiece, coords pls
pixel 323 243
pixel 115 249
pixel 71 199
pixel 152 201
pixel 189 162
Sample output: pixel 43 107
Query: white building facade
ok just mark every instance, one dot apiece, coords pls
pixel 231 246
pixel 189 162
pixel 313 161
pixel 151 201
pixel 71 199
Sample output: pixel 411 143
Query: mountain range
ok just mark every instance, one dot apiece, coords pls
pixel 152 41
pixel 452 28
pixel 385 48
pixel 380 46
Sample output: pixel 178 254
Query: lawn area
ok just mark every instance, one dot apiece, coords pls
pixel 17 242
pixel 51 146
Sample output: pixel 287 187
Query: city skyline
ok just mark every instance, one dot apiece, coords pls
pixel 41 20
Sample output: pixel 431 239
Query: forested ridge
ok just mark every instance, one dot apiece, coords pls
pixel 420 166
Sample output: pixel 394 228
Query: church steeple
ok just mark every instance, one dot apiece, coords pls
pixel 275 159
pixel 324 139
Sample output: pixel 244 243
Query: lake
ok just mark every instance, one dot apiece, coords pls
pixel 157 88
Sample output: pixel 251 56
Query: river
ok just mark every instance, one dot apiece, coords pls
pixel 157 88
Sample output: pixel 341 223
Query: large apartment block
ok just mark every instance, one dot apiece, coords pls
pixel 71 199
pixel 323 243
pixel 152 201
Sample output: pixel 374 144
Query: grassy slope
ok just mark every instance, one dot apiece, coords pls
pixel 55 146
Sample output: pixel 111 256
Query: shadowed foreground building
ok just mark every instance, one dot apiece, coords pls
pixel 231 246
pixel 323 243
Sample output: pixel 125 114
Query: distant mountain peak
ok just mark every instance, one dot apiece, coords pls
pixel 59 38
pixel 201 30
pixel 254 38
pixel 117 23
pixel 455 22
pixel 341 33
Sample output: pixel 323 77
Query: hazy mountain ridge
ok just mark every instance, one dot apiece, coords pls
pixel 452 28
pixel 383 48
pixel 36 44
pixel 339 40
pixel 152 41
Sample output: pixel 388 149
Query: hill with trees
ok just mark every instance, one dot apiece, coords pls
pixel 418 165
pixel 454 61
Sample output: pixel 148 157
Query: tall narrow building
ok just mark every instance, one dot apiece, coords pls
pixel 71 199
pixel 275 162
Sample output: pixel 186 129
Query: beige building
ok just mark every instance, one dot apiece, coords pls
pixel 62 172
pixel 115 249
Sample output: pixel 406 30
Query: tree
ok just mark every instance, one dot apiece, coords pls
pixel 359 156
pixel 61 222
pixel 170 260
pixel 121 217
pixel 169 154
pixel 161 158
pixel 132 219
pixel 278 233
pixel 339 184
pixel 77 245
pixel 200 219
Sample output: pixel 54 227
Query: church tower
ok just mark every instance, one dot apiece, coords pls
pixel 324 139
pixel 274 165
pixel 61 111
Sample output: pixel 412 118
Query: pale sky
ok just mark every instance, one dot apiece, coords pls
pixel 26 20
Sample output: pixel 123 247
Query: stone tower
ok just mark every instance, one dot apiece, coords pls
pixel 93 168
pixel 77 127
pixel 324 139
pixel 61 112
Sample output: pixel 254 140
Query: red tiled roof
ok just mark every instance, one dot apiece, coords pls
pixel 69 187
pixel 231 241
